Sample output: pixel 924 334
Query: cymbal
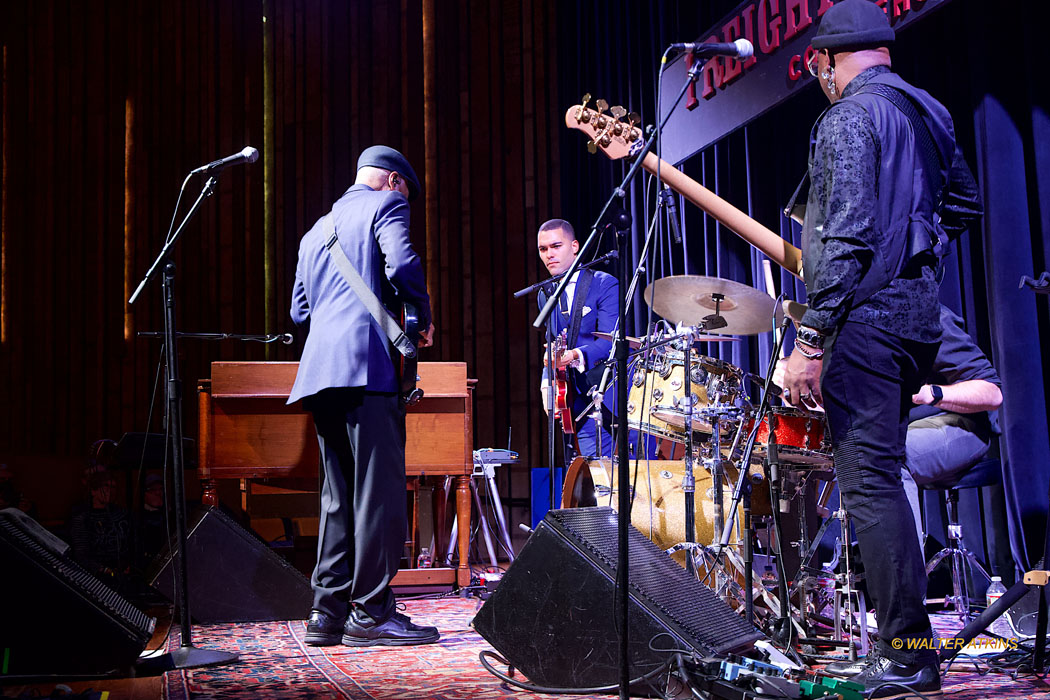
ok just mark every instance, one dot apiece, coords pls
pixel 635 343
pixel 688 299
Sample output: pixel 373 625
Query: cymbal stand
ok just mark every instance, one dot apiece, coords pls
pixel 688 479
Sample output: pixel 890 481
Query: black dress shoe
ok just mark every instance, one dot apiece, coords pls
pixel 925 678
pixel 848 669
pixel 397 631
pixel 323 630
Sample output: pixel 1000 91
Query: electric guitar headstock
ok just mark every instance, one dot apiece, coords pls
pixel 607 127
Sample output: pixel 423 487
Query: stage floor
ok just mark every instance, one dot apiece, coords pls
pixel 275 663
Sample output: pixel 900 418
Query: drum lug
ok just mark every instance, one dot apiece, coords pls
pixel 630 406
pixel 658 394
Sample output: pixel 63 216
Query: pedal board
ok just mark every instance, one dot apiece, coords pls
pixel 739 678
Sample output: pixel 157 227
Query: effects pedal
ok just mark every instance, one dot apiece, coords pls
pixel 732 678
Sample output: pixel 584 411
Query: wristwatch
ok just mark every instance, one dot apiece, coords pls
pixel 938 394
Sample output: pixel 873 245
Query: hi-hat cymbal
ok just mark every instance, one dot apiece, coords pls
pixel 635 343
pixel 689 299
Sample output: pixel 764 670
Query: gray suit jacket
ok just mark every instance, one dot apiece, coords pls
pixel 344 345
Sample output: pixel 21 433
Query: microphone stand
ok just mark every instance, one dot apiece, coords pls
pixel 285 338
pixel 598 391
pixel 186 656
pixel 620 344
pixel 533 287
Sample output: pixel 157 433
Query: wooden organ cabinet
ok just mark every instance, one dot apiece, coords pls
pixel 247 432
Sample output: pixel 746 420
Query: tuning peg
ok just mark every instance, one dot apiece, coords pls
pixel 602 105
pixel 585 99
pixel 617 111
pixel 592 147
pixel 634 119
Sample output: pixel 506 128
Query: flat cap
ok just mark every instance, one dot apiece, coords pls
pixel 853 23
pixel 387 158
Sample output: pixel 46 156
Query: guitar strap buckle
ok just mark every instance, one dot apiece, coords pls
pixel 405 346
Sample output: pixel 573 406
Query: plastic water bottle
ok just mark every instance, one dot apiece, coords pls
pixel 1001 626
pixel 425 561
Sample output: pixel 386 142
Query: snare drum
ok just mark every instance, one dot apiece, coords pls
pixel 656 403
pixel 801 439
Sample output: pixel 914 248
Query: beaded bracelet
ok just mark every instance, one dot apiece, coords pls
pixel 802 348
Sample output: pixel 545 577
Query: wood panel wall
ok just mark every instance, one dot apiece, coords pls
pixel 106 107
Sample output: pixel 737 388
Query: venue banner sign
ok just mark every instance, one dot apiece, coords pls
pixel 732 92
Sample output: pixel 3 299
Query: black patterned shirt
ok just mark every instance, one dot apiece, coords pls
pixel 842 238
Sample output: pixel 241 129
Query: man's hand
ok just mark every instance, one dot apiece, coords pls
pixel 924 397
pixel 563 360
pixel 426 338
pixel 802 381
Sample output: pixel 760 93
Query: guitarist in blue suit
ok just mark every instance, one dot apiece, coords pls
pixel 588 305
pixel 348 379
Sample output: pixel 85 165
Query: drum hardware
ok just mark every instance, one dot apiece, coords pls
pixel 783 626
pixel 845 591
pixel 688 480
pixel 654 342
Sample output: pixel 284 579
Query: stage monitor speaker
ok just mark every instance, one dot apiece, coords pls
pixel 233 576
pixel 55 617
pixel 554 614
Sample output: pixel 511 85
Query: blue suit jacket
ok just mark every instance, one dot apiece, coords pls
pixel 344 346
pixel 598 311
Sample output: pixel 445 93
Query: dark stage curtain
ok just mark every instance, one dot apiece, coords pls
pixel 107 105
pixel 1001 121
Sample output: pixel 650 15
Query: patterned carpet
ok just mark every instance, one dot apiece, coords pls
pixel 276 663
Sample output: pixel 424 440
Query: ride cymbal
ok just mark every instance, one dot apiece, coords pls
pixel 693 299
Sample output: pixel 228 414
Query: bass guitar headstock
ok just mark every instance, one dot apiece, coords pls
pixel 607 128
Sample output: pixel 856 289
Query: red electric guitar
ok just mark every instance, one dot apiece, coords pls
pixel 562 394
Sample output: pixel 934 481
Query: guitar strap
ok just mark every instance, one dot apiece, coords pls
pixel 386 322
pixel 579 297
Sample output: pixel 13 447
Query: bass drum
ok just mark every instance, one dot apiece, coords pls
pixel 658 511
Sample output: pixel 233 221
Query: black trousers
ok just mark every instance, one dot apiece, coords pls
pixel 364 518
pixel 869 378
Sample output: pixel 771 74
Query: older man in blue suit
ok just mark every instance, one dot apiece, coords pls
pixel 348 379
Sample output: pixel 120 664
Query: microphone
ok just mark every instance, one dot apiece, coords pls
pixel 672 211
pixel 248 155
pixel 741 48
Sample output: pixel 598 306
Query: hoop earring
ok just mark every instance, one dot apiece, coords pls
pixel 829 76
